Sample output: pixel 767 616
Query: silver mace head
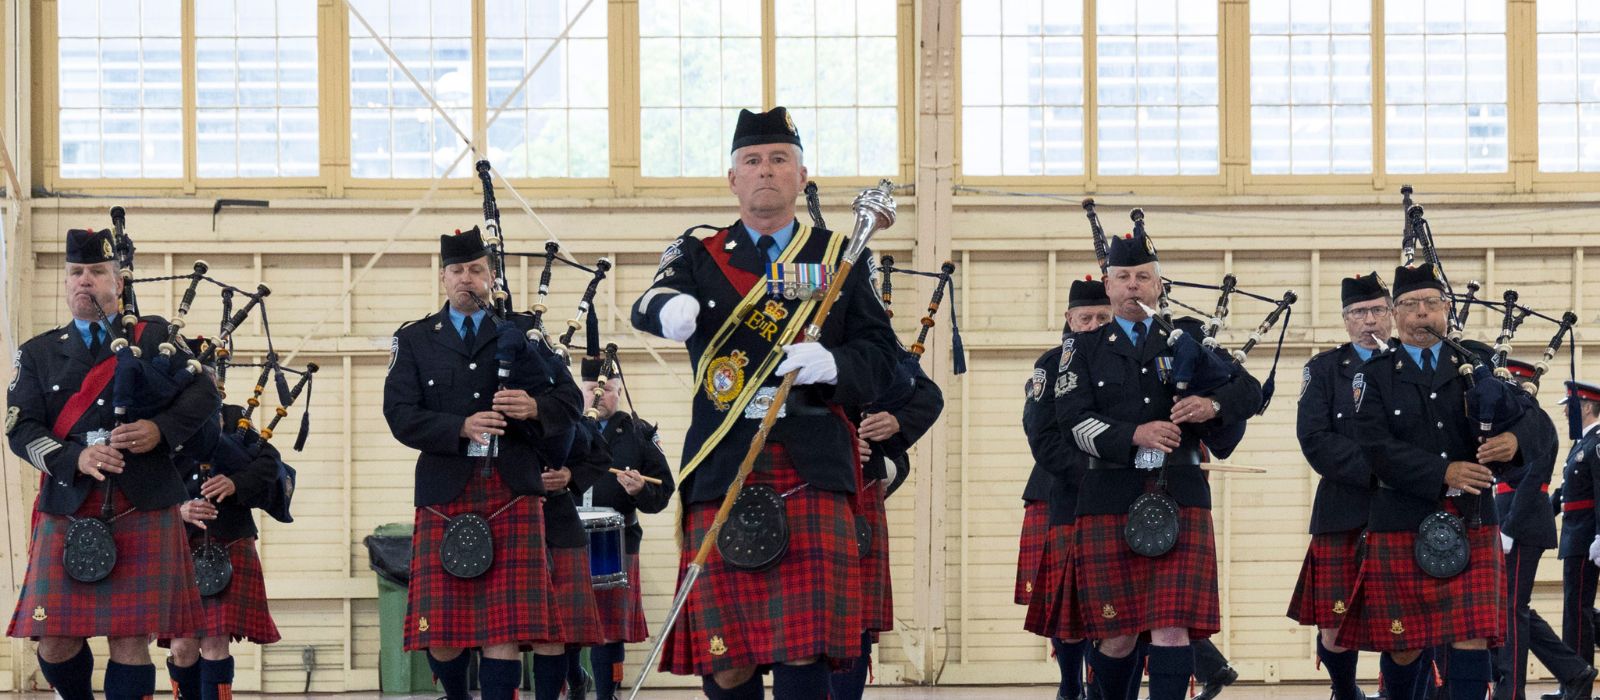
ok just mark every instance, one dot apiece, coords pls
pixel 875 210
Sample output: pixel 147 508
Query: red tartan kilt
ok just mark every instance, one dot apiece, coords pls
pixel 877 611
pixel 575 602
pixel 150 592
pixel 1322 596
pixel 1051 606
pixel 622 616
pixel 1035 530
pixel 240 610
pixel 513 602
pixel 1396 607
pixel 808 604
pixel 1119 592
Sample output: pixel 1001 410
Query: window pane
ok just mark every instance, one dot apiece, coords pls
pixel 1306 56
pixel 1022 88
pixel 121 89
pixel 837 64
pixel 556 125
pixel 701 63
pixel 394 133
pixel 1569 98
pixel 255 60
pixel 1445 82
pixel 1172 104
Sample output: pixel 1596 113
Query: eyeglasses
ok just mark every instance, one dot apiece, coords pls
pixel 1373 312
pixel 1412 305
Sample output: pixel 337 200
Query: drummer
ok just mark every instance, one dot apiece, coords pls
pixel 643 484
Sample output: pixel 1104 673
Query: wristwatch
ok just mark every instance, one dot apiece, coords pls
pixel 1216 408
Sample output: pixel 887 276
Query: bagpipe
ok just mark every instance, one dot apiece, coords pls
pixel 1489 405
pixel 945 281
pixel 1201 364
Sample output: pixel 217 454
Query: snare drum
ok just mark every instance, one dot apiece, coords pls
pixel 607 565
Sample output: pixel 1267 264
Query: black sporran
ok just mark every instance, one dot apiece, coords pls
pixel 468 547
pixel 1442 550
pixel 756 533
pixel 90 552
pixel 213 568
pixel 1152 528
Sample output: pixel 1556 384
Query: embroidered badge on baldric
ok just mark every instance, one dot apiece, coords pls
pixel 1036 384
pixel 725 379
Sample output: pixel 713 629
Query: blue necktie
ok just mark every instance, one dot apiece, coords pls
pixel 766 246
pixel 1427 361
pixel 468 335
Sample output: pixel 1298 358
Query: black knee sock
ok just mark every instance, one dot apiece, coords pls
pixel 71 678
pixel 1069 657
pixel 1401 681
pixel 1341 669
pixel 452 675
pixel 606 660
pixel 808 682
pixel 549 675
pixel 574 667
pixel 1469 674
pixel 499 678
pixel 125 682
pixel 851 683
pixel 216 679
pixel 185 680
pixel 749 690
pixel 1111 676
pixel 1170 671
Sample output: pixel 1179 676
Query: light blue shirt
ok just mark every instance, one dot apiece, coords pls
pixel 83 331
pixel 458 319
pixel 1127 328
pixel 1363 353
pixel 1416 353
pixel 781 238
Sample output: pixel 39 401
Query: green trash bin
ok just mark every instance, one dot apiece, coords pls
pixel 399 671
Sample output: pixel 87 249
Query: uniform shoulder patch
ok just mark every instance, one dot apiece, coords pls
pixel 11 418
pixel 16 369
pixel 394 351
pixel 1068 349
pixel 673 251
pixel 1305 379
pixel 1035 384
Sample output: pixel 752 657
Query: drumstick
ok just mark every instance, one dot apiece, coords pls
pixel 651 479
pixel 1231 468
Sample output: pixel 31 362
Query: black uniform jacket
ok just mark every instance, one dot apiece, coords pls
pixel 1521 494
pixel 919 409
pixel 1057 469
pixel 1105 389
pixel 1331 384
pixel 1413 426
pixel 50 368
pixel 1580 481
pixel 635 445
pixel 435 382
pixel 857 332
pixel 250 462
pixel 587 462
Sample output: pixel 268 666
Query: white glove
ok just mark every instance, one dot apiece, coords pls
pixel 678 316
pixel 1594 551
pixel 1505 543
pixel 815 363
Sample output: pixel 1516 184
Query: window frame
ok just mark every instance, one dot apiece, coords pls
pixel 335 179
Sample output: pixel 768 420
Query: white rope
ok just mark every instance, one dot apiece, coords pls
pixel 470 147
